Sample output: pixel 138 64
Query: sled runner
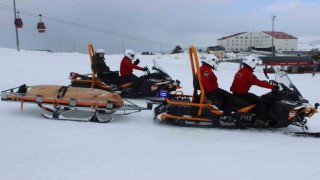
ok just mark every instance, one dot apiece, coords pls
pixel 286 106
pixel 151 83
pixel 72 103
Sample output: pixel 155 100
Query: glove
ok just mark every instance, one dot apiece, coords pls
pixel 145 69
pixel 276 88
pixel 136 62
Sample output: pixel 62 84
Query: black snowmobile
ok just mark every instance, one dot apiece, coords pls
pixel 285 106
pixel 153 84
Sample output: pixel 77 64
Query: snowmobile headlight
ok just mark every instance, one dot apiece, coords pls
pixel 307 111
pixel 164 94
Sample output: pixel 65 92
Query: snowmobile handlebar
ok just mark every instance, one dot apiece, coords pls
pixel 279 86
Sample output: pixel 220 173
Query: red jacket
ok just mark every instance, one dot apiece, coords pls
pixel 244 79
pixel 208 78
pixel 126 67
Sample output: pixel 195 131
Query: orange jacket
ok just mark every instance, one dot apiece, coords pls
pixel 208 78
pixel 244 79
pixel 126 67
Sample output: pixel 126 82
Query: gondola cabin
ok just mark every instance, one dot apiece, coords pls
pixel 18 22
pixel 41 26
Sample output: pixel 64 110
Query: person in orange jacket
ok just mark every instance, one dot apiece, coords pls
pixel 209 82
pixel 126 70
pixel 244 79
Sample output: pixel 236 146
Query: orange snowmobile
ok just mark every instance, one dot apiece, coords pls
pixel 286 106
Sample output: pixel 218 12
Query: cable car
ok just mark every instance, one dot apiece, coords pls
pixel 18 22
pixel 41 26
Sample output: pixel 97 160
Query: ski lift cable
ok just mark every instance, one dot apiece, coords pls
pixel 4 7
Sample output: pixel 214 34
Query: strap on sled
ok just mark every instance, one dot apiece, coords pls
pixel 62 91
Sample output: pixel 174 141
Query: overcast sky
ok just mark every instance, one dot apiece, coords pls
pixel 170 22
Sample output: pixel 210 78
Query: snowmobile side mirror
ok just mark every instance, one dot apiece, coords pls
pixel 265 73
pixel 316 105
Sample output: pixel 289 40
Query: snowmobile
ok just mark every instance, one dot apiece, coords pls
pixel 152 83
pixel 286 106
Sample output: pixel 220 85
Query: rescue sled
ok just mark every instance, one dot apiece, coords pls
pixel 72 103
pixel 152 83
pixel 287 107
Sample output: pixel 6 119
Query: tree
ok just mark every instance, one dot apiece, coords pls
pixel 177 50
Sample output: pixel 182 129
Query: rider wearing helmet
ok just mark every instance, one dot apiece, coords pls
pixel 211 88
pixel 126 69
pixel 244 79
pixel 98 65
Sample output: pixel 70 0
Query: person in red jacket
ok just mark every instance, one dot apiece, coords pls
pixel 126 70
pixel 244 79
pixel 209 82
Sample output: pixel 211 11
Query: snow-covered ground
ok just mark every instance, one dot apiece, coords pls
pixel 134 146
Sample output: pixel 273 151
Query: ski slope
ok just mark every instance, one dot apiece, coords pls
pixel 134 146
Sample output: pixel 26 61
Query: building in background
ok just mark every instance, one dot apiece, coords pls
pixel 259 41
pixel 292 64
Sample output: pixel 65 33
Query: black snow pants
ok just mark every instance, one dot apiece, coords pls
pixel 136 82
pixel 227 99
pixel 261 104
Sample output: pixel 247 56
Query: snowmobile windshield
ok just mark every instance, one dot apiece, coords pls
pixel 158 67
pixel 282 77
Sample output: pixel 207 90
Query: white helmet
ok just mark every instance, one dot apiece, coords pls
pixel 251 61
pixel 211 62
pixel 130 54
pixel 98 51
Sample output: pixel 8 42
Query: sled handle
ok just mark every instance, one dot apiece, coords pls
pixel 194 60
pixel 91 52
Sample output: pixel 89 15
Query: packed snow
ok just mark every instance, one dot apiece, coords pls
pixel 135 146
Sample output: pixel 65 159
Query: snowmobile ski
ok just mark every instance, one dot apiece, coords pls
pixel 304 134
